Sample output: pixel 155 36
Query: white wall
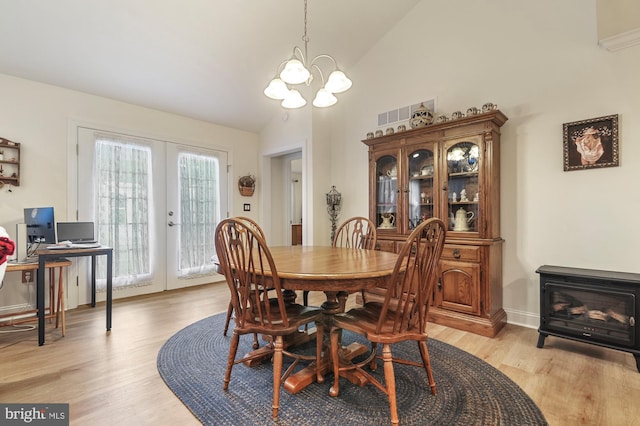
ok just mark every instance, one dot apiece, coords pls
pixel 617 16
pixel 38 115
pixel 540 62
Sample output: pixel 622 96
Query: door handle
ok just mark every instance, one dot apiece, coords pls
pixel 172 224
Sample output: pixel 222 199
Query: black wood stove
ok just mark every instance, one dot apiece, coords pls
pixel 590 306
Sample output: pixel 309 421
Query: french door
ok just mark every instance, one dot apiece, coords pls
pixel 196 183
pixel 158 209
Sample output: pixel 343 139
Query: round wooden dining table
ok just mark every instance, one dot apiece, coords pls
pixel 332 270
pixel 335 271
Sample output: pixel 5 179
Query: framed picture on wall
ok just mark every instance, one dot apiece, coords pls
pixel 591 143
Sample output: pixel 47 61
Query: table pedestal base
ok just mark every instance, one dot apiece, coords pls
pixel 303 378
pixel 264 353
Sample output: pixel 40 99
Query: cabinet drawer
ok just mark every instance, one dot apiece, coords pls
pixel 460 252
pixel 386 245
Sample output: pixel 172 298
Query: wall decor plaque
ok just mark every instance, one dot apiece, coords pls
pixel 591 143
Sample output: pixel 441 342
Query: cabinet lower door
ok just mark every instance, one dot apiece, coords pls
pixel 459 287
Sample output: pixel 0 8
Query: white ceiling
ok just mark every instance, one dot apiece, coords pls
pixel 206 59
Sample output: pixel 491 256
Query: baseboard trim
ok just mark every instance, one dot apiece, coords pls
pixel 523 318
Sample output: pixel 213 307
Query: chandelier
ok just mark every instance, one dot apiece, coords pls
pixel 298 69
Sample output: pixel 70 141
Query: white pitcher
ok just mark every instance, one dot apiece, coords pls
pixel 462 220
pixel 388 220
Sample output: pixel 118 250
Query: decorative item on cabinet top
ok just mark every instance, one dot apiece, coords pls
pixel 423 117
pixel 247 185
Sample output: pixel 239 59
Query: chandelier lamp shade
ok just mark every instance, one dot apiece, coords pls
pixel 300 70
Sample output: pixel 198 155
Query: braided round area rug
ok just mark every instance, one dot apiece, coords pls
pixel 470 391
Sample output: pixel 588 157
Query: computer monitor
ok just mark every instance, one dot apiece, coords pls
pixel 40 225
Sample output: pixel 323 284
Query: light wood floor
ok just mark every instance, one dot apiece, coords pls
pixel 112 379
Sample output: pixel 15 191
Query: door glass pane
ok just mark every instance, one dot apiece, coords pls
pixel 420 186
pixel 122 214
pixel 199 195
pixel 387 191
pixel 464 193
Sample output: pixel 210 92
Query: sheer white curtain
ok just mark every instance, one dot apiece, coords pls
pixel 123 208
pixel 199 193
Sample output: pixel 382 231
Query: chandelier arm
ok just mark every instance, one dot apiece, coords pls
pixel 303 56
pixel 324 55
pixel 319 71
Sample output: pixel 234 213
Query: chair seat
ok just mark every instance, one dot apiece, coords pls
pixel 365 320
pixel 297 316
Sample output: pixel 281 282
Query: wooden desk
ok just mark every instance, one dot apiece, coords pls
pixel 53 310
pixel 331 270
pixel 45 255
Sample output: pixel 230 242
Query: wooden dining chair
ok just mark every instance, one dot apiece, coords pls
pixel 253 224
pixel 355 232
pixel 401 317
pixel 258 301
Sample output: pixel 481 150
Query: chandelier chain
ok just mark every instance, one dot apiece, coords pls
pixel 305 38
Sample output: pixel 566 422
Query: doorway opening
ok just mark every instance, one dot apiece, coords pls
pixel 296 201
pixel 284 197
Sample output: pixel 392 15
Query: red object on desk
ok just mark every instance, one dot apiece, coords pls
pixel 7 246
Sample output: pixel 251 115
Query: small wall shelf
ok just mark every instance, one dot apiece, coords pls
pixel 9 162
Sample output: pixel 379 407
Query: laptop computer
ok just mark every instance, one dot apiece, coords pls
pixel 76 232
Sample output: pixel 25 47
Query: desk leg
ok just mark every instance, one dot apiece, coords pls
pixel 93 281
pixel 60 309
pixel 40 299
pixel 52 297
pixel 109 288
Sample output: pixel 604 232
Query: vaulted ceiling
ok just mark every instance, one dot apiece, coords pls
pixel 206 59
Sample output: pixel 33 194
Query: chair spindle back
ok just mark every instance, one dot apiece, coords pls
pixel 413 278
pixel 356 232
pixel 251 275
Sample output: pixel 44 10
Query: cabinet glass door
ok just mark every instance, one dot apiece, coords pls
pixel 386 192
pixel 420 196
pixel 463 161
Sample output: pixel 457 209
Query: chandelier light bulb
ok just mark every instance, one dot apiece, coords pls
pixel 294 72
pixel 293 100
pixel 277 89
pixel 338 82
pixel 324 98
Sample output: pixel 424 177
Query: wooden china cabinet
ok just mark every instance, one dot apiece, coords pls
pixel 448 170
